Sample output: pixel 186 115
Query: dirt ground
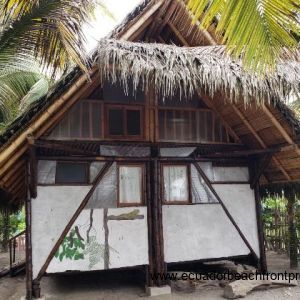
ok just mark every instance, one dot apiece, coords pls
pixel 129 286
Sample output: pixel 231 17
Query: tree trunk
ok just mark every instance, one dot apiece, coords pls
pixel 293 239
pixel 5 231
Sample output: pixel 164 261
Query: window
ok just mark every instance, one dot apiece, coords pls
pixel 71 173
pixel 176 184
pixel 186 125
pixel 82 122
pixel 124 122
pixel 130 185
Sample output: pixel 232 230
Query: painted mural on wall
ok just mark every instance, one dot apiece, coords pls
pixel 76 247
pixel 103 239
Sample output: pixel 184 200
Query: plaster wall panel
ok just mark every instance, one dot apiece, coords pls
pixel 128 239
pixel 195 232
pixel 104 239
pixel 240 201
pixel 51 212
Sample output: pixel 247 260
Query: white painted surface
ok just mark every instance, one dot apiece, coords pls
pixel 215 173
pixel 154 291
pixel 128 239
pixel 230 173
pixel 240 201
pixel 203 231
pixel 51 212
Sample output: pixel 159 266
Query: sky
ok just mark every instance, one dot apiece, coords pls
pixel 103 24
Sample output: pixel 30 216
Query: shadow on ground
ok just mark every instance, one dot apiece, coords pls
pixel 129 285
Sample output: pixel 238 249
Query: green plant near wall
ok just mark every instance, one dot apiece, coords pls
pixel 72 247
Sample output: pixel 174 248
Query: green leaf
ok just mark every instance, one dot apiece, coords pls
pixel 255 30
pixel 79 256
pixel 61 256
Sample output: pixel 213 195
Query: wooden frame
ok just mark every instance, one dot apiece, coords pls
pixel 142 184
pixel 87 173
pixel 188 175
pixel 124 109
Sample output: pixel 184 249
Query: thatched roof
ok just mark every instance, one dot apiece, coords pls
pixel 189 69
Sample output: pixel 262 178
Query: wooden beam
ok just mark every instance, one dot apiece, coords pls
pixel 204 32
pixel 259 139
pixel 139 23
pixel 163 16
pixel 74 218
pixel 178 34
pixel 208 183
pixel 58 146
pixel 263 164
pixel 241 153
pixel 280 128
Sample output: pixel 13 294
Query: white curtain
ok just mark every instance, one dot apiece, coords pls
pixel 175 183
pixel 130 184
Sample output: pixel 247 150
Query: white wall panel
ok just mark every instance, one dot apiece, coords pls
pixel 51 212
pixel 240 201
pixel 203 231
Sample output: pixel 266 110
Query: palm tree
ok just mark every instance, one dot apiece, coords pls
pixel 39 39
pixel 258 31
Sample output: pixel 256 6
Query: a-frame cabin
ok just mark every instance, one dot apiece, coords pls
pixel 117 175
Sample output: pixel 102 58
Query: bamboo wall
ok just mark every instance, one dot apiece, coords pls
pixel 276 229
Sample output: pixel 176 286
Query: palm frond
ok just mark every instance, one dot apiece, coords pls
pixel 18 89
pixel 49 30
pixel 256 30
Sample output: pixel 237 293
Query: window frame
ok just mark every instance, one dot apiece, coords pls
pixel 142 202
pixel 124 108
pixel 189 184
pixel 87 173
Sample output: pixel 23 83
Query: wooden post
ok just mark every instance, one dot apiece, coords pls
pixel 262 263
pixel 156 220
pixel 290 194
pixel 256 170
pixel 32 167
pixel 149 270
pixel 28 241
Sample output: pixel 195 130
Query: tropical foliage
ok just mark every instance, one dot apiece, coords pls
pixel 10 224
pixel 256 30
pixel 39 39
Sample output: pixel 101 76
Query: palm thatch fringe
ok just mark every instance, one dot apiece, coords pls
pixel 189 69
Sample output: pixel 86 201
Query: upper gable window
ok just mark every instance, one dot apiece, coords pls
pixel 83 121
pixel 124 122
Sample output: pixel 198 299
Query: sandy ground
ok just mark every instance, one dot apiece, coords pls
pixel 127 286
